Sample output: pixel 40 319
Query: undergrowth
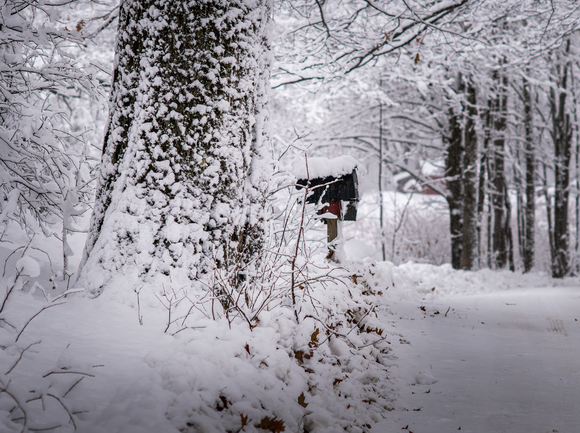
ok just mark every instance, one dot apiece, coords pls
pixel 296 347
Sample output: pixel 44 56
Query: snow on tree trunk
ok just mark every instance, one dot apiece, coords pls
pixel 184 166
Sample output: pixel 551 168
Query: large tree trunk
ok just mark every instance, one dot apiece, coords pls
pixel 469 236
pixel 182 175
pixel 562 136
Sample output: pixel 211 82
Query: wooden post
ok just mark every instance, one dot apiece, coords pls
pixel 332 227
pixel 334 207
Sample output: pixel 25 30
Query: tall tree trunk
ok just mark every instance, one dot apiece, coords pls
pixel 182 176
pixel 530 158
pixel 453 169
pixel 469 235
pixel 381 200
pixel 483 173
pixel 499 195
pixel 509 232
pixel 577 169
pixel 481 203
pixel 562 136
pixel 520 211
pixel 549 215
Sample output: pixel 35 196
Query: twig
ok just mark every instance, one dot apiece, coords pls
pixel 30 320
pixel 332 331
pixel 300 232
pixel 372 343
pixel 139 316
pixel 45 428
pixel 9 292
pixel 73 385
pixel 187 327
pixel 68 372
pixel 363 317
pixel 18 405
pixel 72 420
pixel 8 258
pixel 68 292
pixel 20 358
pixel 8 323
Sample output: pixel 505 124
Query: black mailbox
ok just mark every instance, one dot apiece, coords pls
pixel 334 189
pixel 350 211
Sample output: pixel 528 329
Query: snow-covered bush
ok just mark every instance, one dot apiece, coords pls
pixel 45 158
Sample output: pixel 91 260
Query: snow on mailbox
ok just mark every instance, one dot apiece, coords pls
pixel 333 183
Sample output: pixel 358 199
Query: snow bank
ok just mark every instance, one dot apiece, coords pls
pixel 420 280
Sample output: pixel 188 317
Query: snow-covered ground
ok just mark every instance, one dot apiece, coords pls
pixel 380 348
pixel 485 352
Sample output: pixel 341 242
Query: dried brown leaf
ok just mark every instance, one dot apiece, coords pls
pixel 302 400
pixel 244 419
pixel 314 338
pixel 273 425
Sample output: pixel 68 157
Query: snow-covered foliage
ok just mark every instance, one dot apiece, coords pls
pixel 183 174
pixel 43 168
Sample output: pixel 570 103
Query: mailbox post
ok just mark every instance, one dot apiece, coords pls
pixel 340 195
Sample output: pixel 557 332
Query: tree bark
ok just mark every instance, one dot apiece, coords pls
pixel 182 177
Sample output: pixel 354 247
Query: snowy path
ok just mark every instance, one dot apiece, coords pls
pixel 503 362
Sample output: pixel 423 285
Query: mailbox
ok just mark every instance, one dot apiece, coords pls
pixel 340 192
pixel 334 183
